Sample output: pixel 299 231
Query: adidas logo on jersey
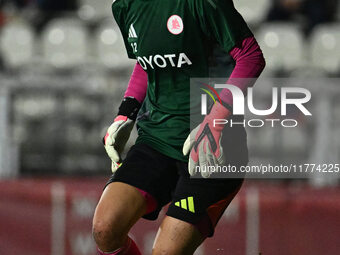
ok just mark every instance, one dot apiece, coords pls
pixel 186 204
pixel 132 32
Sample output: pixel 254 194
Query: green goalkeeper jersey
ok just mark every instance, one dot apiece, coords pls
pixel 173 41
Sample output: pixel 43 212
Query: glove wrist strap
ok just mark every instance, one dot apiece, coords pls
pixel 129 108
pixel 121 117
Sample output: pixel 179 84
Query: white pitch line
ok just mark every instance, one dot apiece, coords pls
pixel 58 211
pixel 252 221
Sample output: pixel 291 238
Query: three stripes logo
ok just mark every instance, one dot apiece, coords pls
pixel 186 204
pixel 132 32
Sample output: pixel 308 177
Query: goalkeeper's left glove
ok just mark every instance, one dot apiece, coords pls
pixel 204 142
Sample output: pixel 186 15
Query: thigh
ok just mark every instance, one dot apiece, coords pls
pixel 176 237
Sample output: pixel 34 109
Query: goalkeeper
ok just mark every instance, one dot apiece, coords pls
pixel 172 42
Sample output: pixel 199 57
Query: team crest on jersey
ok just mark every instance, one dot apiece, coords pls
pixel 175 24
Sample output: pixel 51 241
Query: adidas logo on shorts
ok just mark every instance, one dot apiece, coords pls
pixel 186 204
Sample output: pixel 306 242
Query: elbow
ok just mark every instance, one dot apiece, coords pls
pixel 259 60
pixel 262 62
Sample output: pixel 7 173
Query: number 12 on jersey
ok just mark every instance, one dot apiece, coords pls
pixel 134 47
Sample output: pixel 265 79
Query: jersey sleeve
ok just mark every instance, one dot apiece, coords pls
pixel 222 22
pixel 118 12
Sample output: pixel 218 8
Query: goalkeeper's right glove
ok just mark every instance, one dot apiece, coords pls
pixel 119 132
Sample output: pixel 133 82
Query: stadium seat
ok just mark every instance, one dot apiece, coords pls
pixel 92 10
pixel 336 111
pixel 336 127
pixel 16 44
pixel 253 12
pixel 325 44
pixel 282 46
pixel 294 140
pixel 109 47
pixel 28 107
pixel 65 43
pixel 261 140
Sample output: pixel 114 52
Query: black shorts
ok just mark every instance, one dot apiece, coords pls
pixel 195 200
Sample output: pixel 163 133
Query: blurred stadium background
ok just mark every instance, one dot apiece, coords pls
pixel 63 71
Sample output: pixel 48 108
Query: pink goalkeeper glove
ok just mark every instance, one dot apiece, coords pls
pixel 204 143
